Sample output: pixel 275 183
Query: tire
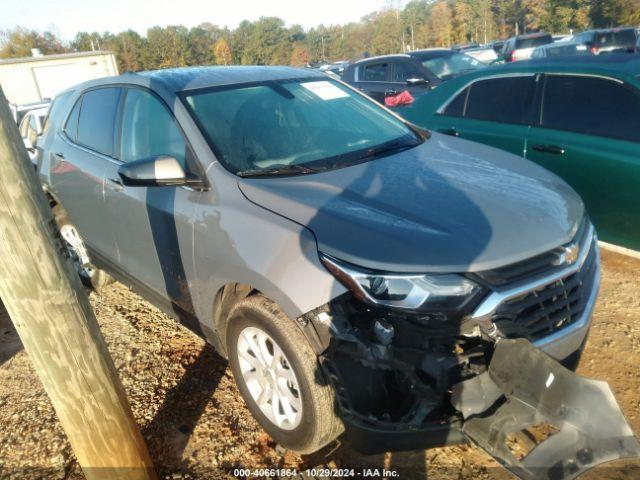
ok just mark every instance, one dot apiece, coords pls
pixel 91 276
pixel 317 423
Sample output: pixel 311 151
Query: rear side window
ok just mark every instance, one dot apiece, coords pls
pixel 538 53
pixel 148 129
pixel 376 72
pixel 616 37
pixel 583 38
pixel 71 127
pixel 455 108
pixel 593 106
pixel 97 119
pixel 56 110
pixel 503 100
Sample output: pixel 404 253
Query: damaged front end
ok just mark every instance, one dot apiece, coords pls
pixel 408 378
pixel 392 381
pixel 572 423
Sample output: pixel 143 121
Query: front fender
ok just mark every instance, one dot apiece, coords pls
pixel 236 241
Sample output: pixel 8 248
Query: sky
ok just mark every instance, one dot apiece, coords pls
pixel 67 17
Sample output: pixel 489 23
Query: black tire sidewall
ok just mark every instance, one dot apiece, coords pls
pixel 299 437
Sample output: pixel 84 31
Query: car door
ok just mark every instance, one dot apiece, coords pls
pixel 588 133
pixel 79 156
pixel 153 226
pixel 494 111
pixel 373 79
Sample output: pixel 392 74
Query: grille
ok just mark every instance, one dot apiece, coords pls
pixel 529 267
pixel 538 313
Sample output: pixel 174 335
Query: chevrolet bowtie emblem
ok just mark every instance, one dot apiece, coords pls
pixel 567 255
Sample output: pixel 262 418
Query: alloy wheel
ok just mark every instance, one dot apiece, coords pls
pixel 269 378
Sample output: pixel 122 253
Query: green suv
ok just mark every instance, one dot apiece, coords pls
pixel 578 117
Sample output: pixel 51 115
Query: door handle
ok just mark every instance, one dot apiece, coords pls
pixel 553 149
pixel 59 156
pixel 391 92
pixel 450 131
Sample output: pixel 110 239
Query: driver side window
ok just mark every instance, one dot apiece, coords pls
pixel 403 71
pixel 149 129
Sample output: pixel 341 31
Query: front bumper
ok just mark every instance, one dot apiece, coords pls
pixel 570 424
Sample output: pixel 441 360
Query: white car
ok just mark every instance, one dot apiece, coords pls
pixel 30 128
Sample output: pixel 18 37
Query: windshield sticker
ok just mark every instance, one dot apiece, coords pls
pixel 325 90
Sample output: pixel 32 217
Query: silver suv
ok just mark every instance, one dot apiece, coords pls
pixel 359 273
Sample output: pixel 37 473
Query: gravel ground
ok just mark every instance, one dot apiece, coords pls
pixel 196 424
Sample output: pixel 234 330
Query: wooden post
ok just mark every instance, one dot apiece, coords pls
pixel 51 312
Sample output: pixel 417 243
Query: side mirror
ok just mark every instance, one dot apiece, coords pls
pixel 415 82
pixel 156 171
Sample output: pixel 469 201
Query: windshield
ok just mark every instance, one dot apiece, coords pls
pixel 452 65
pixel 295 126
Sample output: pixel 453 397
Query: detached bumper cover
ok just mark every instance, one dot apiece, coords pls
pixel 524 388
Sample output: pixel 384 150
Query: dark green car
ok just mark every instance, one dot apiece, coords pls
pixel 578 117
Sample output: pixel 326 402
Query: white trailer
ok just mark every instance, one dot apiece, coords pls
pixel 39 78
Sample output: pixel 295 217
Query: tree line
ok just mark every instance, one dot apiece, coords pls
pixel 395 28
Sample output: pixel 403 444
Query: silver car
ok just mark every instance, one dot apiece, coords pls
pixel 358 272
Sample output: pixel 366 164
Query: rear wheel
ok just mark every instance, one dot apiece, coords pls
pixel 278 375
pixel 91 276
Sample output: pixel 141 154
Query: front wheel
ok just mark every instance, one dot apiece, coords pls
pixel 278 375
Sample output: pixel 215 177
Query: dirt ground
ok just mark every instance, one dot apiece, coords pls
pixel 197 427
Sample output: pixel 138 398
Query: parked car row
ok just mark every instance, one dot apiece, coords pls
pixel 387 75
pixel 360 273
pixel 417 72
pixel 422 70
pixel 613 40
pixel 592 42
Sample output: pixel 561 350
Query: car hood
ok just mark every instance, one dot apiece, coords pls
pixel 448 205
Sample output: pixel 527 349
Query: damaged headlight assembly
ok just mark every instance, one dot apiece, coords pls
pixel 429 293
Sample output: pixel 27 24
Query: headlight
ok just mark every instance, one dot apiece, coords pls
pixel 421 293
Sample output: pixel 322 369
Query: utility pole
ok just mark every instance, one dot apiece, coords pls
pixel 413 44
pixel 52 315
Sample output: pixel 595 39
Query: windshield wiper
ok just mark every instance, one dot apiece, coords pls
pixel 388 148
pixel 284 170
